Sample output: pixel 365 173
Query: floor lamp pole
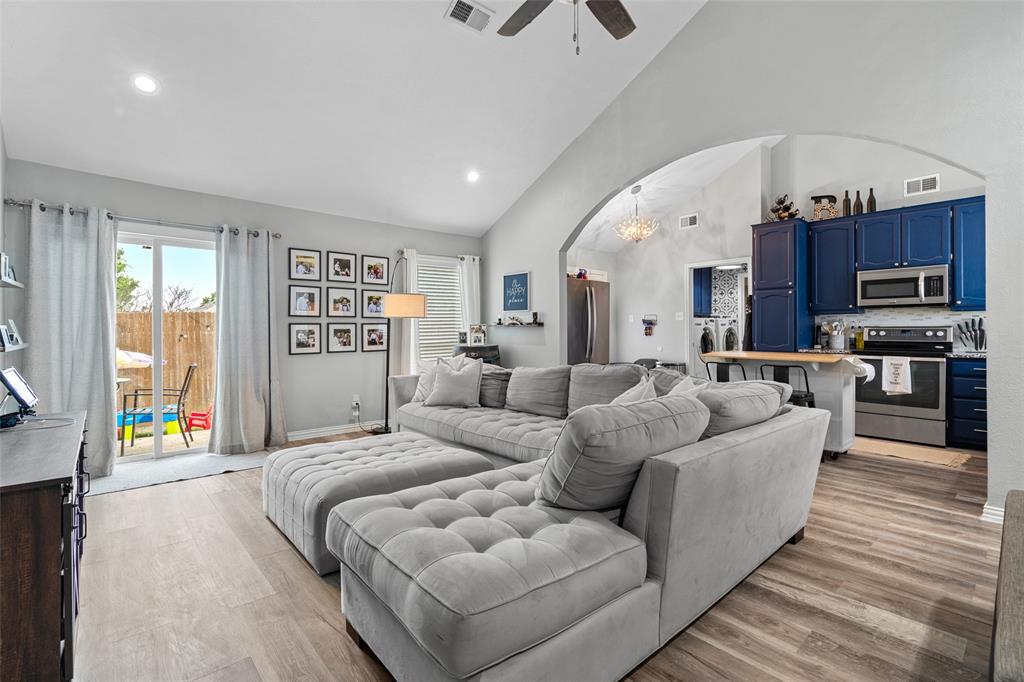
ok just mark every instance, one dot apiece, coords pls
pixel 387 374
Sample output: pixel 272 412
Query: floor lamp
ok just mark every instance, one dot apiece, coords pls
pixel 397 307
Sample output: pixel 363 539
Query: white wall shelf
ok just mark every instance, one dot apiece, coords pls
pixel 10 349
pixel 11 284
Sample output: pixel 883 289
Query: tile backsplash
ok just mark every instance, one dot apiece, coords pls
pixel 911 317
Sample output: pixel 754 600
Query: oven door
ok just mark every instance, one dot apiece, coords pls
pixel 903 286
pixel 927 399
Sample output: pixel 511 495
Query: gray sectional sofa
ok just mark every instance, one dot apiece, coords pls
pixel 484 578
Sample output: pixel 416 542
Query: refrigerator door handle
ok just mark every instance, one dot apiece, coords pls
pixel 590 323
pixel 593 328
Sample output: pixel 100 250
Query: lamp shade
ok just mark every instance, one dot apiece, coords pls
pixel 405 305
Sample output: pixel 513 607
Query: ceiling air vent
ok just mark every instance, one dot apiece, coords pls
pixel 688 221
pixel 470 15
pixel 922 185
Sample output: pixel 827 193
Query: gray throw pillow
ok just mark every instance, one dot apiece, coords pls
pixel 427 373
pixel 494 386
pixel 739 404
pixel 539 390
pixel 599 452
pixel 591 384
pixel 642 391
pixel 456 387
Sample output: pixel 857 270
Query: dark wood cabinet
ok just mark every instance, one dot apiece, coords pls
pixel 42 531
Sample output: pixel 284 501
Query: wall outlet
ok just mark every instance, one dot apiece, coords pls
pixel 631 318
pixel 680 316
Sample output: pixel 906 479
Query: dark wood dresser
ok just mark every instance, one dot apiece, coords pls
pixel 42 528
pixel 489 352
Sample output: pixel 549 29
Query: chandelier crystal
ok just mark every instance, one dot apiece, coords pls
pixel 636 228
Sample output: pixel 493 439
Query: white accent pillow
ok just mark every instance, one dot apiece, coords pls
pixel 686 385
pixel 644 390
pixel 456 387
pixel 429 371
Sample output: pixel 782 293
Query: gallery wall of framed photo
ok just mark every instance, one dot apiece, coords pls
pixel 323 284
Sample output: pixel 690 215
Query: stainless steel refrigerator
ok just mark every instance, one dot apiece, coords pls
pixel 587 304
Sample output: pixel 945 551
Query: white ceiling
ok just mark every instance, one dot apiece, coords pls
pixel 374 110
pixel 664 190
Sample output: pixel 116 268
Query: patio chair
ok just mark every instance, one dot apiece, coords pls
pixel 178 408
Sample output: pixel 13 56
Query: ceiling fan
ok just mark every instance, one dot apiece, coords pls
pixel 612 15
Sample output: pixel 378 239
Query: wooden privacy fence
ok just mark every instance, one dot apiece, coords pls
pixel 189 337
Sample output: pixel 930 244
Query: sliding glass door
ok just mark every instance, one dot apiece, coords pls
pixel 166 334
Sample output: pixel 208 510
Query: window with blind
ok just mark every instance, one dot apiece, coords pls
pixel 438 278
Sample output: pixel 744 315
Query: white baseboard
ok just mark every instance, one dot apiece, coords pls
pixel 322 431
pixel 992 514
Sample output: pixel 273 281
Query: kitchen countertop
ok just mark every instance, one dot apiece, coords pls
pixel 980 355
pixel 810 357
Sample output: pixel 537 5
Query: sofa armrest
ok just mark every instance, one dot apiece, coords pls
pixel 712 512
pixel 1008 625
pixel 402 388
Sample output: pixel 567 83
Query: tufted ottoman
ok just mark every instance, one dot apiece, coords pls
pixel 472 571
pixel 301 485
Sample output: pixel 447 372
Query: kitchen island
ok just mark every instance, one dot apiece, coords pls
pixel 832 377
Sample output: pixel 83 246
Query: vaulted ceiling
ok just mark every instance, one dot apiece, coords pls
pixel 374 109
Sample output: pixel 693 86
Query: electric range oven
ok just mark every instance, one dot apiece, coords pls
pixel 920 416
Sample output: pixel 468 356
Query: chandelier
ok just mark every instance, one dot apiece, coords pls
pixel 636 228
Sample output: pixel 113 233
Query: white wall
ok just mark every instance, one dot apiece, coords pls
pixel 317 388
pixel 651 277
pixel 740 70
pixel 807 165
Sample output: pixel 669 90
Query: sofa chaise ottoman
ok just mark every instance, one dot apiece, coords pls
pixel 301 485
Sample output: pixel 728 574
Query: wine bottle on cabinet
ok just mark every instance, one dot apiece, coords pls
pixel 846 203
pixel 858 206
pixel 872 206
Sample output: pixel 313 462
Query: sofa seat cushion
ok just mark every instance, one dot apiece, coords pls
pixel 301 485
pixel 476 570
pixel 521 436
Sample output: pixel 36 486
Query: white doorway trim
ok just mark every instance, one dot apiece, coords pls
pixel 688 269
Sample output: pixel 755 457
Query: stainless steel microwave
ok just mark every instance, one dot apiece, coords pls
pixel 903 286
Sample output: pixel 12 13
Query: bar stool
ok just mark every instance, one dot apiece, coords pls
pixel 722 370
pixel 782 374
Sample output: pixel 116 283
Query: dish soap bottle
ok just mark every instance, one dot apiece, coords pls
pixel 859 343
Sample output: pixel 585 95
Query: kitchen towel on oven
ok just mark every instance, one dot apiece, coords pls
pixel 896 375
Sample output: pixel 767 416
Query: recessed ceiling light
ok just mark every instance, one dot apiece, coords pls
pixel 473 176
pixel 147 85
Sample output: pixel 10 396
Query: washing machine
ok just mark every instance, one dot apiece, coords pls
pixel 730 334
pixel 703 339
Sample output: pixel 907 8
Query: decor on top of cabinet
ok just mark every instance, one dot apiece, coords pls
pixel 783 209
pixel 650 321
pixel 872 204
pixel 846 203
pixel 858 206
pixel 825 206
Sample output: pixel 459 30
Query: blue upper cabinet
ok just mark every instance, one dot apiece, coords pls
pixel 925 236
pixel 968 255
pixel 702 292
pixel 775 255
pixel 878 242
pixel 833 274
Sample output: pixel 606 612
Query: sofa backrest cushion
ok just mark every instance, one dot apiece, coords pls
pixel 600 384
pixel 600 450
pixel 738 404
pixel 494 386
pixel 456 387
pixel 539 390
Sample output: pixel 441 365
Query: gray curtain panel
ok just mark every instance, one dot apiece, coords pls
pixel 248 412
pixel 70 321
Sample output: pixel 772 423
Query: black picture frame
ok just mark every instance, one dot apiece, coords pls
pixel 294 289
pixel 308 350
pixel 313 276
pixel 365 303
pixel 353 302
pixel 332 327
pixel 367 348
pixel 332 257
pixel 366 267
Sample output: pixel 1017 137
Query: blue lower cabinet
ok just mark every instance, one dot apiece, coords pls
pixel 967 406
pixel 774 320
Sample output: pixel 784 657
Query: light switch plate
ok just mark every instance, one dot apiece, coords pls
pixel 631 318
pixel 680 316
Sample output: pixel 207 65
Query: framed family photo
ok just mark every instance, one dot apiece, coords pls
pixel 304 264
pixel 515 292
pixel 375 336
pixel 341 302
pixel 376 269
pixel 373 303
pixel 303 301
pixel 303 338
pixel 341 267
pixel 341 337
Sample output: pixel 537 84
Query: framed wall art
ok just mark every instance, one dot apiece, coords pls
pixel 341 337
pixel 341 302
pixel 515 292
pixel 304 264
pixel 341 267
pixel 303 338
pixel 375 336
pixel 373 303
pixel 376 270
pixel 303 301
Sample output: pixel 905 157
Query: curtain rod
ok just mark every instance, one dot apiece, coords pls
pixel 130 219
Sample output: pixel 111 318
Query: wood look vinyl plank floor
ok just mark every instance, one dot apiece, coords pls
pixel 894 580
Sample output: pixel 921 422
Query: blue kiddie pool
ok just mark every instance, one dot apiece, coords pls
pixel 170 421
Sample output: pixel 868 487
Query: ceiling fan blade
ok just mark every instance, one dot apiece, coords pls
pixel 613 16
pixel 521 18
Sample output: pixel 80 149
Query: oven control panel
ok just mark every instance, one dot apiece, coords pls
pixel 908 334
